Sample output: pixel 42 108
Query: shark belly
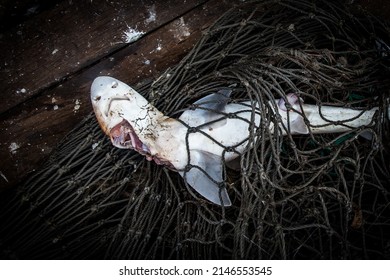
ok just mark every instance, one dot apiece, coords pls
pixel 229 138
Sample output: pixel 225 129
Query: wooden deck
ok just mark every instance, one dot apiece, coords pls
pixel 51 53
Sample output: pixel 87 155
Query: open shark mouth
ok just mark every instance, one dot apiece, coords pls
pixel 123 136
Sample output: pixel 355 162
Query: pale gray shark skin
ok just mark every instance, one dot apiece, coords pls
pixel 199 143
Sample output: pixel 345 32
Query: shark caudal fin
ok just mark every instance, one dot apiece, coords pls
pixel 205 166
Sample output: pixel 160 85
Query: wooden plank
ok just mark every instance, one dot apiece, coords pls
pixel 14 12
pixel 31 130
pixel 59 42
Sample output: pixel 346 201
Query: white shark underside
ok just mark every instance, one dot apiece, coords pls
pixel 215 132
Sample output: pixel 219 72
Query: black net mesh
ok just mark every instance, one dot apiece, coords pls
pixel 306 196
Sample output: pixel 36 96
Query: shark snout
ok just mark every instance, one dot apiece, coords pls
pixel 101 97
pixel 101 85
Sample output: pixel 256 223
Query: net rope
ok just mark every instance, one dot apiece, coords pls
pixel 306 196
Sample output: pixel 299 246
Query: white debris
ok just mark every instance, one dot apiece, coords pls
pixel 152 15
pixel 94 146
pixel 55 107
pixel 23 90
pixel 131 35
pixel 181 31
pixel 158 48
pixel 2 175
pixel 77 105
pixel 33 10
pixel 13 147
pixel 53 100
pixel 147 62
pixel 54 51
pixel 185 29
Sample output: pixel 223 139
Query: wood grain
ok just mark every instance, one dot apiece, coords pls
pixel 42 52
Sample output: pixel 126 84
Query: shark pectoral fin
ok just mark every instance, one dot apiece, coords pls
pixel 209 110
pixel 203 166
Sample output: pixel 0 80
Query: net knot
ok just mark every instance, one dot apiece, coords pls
pixel 193 129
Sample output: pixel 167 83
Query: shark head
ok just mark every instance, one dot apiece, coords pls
pixel 125 116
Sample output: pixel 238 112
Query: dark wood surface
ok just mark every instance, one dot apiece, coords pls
pixel 50 57
pixel 60 42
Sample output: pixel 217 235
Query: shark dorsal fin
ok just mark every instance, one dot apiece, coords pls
pixel 208 110
pixel 215 101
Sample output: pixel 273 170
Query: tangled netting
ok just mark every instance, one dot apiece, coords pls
pixel 305 196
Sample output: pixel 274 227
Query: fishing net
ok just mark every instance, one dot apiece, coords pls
pixel 296 196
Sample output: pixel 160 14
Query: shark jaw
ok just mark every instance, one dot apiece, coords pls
pixel 123 136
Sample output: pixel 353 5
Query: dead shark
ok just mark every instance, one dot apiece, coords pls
pixel 216 131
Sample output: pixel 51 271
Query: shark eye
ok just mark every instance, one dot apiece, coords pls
pixel 97 98
pixel 114 84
